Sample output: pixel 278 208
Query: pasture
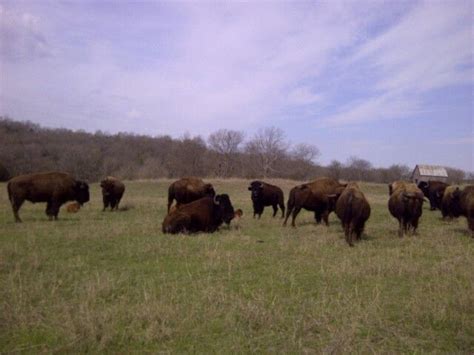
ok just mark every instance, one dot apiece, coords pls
pixel 111 281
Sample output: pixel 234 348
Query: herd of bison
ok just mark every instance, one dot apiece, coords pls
pixel 199 209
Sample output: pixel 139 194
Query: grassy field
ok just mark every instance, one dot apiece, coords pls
pixel 111 281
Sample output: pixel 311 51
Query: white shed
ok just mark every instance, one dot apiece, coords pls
pixel 429 173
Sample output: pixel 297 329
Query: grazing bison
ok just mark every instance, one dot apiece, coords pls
pixel 112 192
pixel 54 188
pixel 319 196
pixel 434 191
pixel 203 215
pixel 264 194
pixel 395 185
pixel 353 210
pixel 187 190
pixel 405 204
pixel 73 207
pixel 463 205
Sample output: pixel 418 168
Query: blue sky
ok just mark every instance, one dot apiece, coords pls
pixel 390 82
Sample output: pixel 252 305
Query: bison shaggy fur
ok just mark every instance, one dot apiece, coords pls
pixel 264 194
pixel 463 205
pixel 187 190
pixel 434 191
pixel 112 192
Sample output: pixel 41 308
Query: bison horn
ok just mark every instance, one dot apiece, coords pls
pixel 216 200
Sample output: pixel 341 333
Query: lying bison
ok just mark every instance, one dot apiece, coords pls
pixel 353 210
pixel 54 188
pixel 264 194
pixel 187 190
pixel 405 204
pixel 462 204
pixel 434 191
pixel 203 215
pixel 112 192
pixel 319 196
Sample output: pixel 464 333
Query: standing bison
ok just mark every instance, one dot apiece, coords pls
pixel 187 190
pixel 434 191
pixel 319 196
pixel 264 194
pixel 353 210
pixel 448 202
pixel 203 215
pixel 112 192
pixel 405 204
pixel 54 188
pixel 462 204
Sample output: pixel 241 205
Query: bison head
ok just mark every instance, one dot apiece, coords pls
pixel 226 210
pixel 209 190
pixel 256 187
pixel 81 192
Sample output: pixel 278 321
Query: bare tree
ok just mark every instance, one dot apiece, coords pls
pixel 335 169
pixel 267 147
pixel 305 152
pixel 226 144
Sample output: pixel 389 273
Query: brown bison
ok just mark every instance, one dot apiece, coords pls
pixel 353 210
pixel 395 185
pixel 54 188
pixel 319 196
pixel 112 192
pixel 203 215
pixel 434 191
pixel 73 207
pixel 264 194
pixel 405 204
pixel 187 190
pixel 447 202
pixel 462 204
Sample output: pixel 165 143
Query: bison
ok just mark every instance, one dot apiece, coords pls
pixel 112 192
pixel 405 204
pixel 264 194
pixel 395 185
pixel 462 204
pixel 54 188
pixel 187 190
pixel 73 207
pixel 319 196
pixel 434 191
pixel 203 215
pixel 353 210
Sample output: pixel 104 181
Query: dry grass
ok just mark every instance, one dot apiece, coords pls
pixel 111 281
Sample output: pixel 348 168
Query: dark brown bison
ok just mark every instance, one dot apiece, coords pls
pixel 396 184
pixel 405 204
pixel 319 196
pixel 463 205
pixel 112 192
pixel 73 207
pixel 264 194
pixel 447 202
pixel 203 215
pixel 54 188
pixel 187 190
pixel 434 191
pixel 353 210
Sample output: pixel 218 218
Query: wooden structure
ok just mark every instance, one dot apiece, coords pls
pixel 429 173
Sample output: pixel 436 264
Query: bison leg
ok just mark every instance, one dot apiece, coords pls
pixel 288 212
pixel 275 210
pixel 16 204
pixel 317 217
pixel 326 218
pixel 296 210
pixel 282 207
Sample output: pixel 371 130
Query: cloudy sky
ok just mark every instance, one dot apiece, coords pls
pixel 390 82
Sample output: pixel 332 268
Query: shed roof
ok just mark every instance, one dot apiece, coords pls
pixel 432 170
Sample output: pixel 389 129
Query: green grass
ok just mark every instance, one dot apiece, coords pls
pixel 100 281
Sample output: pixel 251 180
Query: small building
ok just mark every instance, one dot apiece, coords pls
pixel 429 173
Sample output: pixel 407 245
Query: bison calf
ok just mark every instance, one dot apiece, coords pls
pixel 73 207
pixel 353 210
pixel 264 194
pixel 54 188
pixel 112 192
pixel 406 205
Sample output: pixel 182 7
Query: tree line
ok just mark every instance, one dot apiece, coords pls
pixel 27 147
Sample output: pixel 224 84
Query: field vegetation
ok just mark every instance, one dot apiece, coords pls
pixel 111 281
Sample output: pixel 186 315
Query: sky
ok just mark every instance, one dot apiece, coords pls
pixel 386 81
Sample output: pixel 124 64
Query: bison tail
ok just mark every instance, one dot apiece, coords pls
pixel 348 210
